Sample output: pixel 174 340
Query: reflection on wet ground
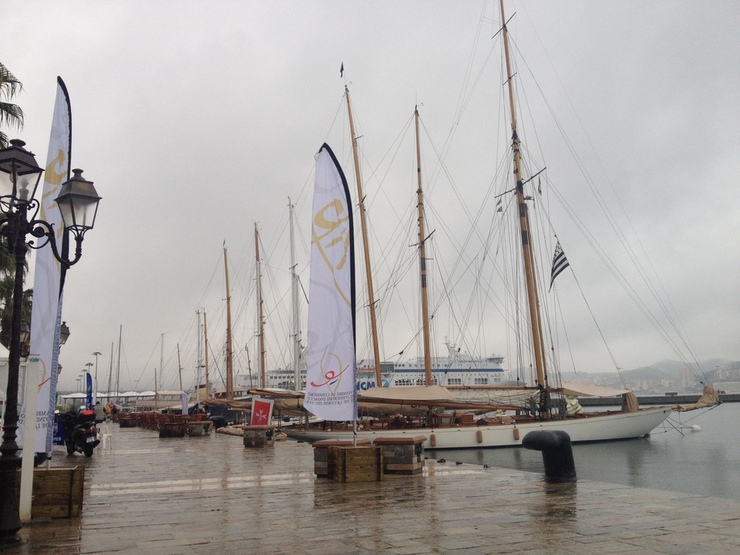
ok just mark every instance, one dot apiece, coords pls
pixel 210 494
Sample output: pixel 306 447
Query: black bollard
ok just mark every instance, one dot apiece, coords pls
pixel 557 454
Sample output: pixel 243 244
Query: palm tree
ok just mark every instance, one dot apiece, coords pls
pixel 10 114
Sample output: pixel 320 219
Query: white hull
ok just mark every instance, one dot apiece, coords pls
pixel 607 427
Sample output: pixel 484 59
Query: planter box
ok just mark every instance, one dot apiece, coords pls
pixel 355 464
pixel 57 491
pixel 402 455
pixel 321 453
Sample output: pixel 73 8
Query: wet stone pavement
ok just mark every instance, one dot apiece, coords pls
pixel 209 494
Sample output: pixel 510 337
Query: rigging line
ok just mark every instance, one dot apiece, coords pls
pixel 622 280
pixel 661 303
pixel 598 327
pixel 473 229
pixel 565 332
pixel 466 89
pixel 450 235
pixel 677 323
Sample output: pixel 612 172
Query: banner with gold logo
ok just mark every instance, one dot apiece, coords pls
pixel 46 310
pixel 330 340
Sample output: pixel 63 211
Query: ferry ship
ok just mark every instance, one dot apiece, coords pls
pixel 456 369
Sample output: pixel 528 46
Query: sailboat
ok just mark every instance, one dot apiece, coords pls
pixel 496 416
pixel 229 397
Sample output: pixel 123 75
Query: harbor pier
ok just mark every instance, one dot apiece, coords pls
pixel 209 494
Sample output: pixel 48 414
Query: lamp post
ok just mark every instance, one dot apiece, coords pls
pixel 78 204
pixel 96 354
pixel 81 379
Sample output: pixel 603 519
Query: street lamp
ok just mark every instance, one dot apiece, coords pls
pixel 78 204
pixel 25 339
pixel 63 333
pixel 96 354
pixel 82 381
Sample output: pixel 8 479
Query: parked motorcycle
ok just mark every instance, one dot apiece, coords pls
pixel 80 432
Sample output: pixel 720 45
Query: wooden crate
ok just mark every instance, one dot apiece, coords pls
pixel 355 464
pixel 402 455
pixel 57 491
pixel 321 453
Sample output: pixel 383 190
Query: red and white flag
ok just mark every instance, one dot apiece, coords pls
pixel 261 412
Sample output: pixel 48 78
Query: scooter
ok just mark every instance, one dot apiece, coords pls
pixel 80 432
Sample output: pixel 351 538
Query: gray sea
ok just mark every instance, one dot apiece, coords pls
pixel 675 457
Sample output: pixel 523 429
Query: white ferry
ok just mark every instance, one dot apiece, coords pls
pixel 455 369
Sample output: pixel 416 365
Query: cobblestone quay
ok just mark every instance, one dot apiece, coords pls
pixel 209 494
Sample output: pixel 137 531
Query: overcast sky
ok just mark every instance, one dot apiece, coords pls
pixel 197 120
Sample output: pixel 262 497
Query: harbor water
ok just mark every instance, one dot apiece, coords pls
pixel 676 457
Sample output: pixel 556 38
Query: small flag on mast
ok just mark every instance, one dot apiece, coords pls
pixel 559 263
pixel 341 70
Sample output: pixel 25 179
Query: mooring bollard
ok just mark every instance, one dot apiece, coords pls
pixel 557 454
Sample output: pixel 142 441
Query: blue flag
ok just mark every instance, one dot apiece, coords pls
pixel 89 391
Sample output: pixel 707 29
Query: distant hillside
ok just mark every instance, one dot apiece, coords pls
pixel 662 375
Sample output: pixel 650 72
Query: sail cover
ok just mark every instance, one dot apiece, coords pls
pixel 330 340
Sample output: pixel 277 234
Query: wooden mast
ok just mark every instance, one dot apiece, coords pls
pixel 205 348
pixel 366 248
pixel 260 309
pixel 161 366
pixel 294 305
pixel 422 259
pixel 199 361
pixel 229 351
pixel 179 367
pixel 527 254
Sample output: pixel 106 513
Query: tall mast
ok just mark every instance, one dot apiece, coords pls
pixel 527 254
pixel 161 365
pixel 260 312
pixel 294 305
pixel 110 371
pixel 199 362
pixel 156 389
pixel 179 367
pixel 366 248
pixel 229 351
pixel 422 259
pixel 205 347
pixel 118 364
